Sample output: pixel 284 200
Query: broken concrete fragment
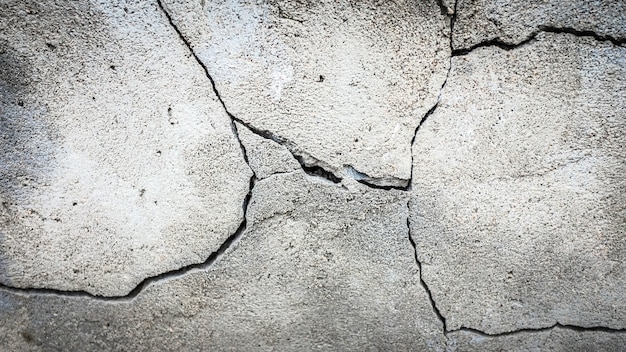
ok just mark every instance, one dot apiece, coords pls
pixel 511 22
pixel 265 156
pixel 519 197
pixel 319 268
pixel 116 160
pixel 556 339
pixel 344 83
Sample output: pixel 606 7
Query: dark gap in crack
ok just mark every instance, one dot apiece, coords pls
pixel 172 274
pixel 544 29
pixel 317 171
pixel 495 42
pixel 386 188
pixel 531 330
pixel 423 283
pixel 443 8
pixel 579 33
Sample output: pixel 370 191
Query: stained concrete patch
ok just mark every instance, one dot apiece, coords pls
pixel 551 340
pixel 265 156
pixel 118 162
pixel 519 197
pixel 344 83
pixel 319 268
pixel 513 21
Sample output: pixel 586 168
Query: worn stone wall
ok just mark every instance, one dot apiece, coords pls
pixel 250 175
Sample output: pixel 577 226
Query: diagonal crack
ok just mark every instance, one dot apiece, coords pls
pixel 443 85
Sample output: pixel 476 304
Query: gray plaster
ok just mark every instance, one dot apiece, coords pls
pixel 118 162
pixel 518 198
pixel 343 83
pixel 511 22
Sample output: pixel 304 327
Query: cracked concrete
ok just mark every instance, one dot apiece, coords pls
pixel 114 186
pixel 518 200
pixel 342 84
pixel 306 128
pixel 318 268
pixel 510 22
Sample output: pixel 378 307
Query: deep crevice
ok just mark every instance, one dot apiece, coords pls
pixel 579 33
pixel 422 282
pixel 531 330
pixel 316 171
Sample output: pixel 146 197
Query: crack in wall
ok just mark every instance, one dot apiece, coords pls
pixel 547 328
pixel 436 310
pixel 543 29
pixel 211 259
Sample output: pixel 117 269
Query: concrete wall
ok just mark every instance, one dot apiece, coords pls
pixel 421 175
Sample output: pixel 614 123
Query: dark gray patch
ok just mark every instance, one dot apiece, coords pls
pixel 26 142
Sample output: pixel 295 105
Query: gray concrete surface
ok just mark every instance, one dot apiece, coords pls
pixel 298 175
pixel 512 22
pixel 265 156
pixel 118 162
pixel 519 196
pixel 320 267
pixel 561 339
pixel 345 83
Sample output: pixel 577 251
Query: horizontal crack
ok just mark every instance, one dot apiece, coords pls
pixel 545 29
pixel 562 326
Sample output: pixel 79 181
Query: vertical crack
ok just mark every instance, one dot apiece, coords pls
pixel 443 85
pixel 422 282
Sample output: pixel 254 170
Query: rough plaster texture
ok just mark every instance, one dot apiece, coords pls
pixel 344 83
pixel 320 267
pixel 130 218
pixel 552 340
pixel 265 156
pixel 519 195
pixel 118 163
pixel 512 22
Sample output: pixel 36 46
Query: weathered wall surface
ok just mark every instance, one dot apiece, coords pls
pixel 312 175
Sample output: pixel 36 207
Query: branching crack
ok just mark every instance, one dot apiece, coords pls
pixel 309 164
pixel 557 325
pixel 544 29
